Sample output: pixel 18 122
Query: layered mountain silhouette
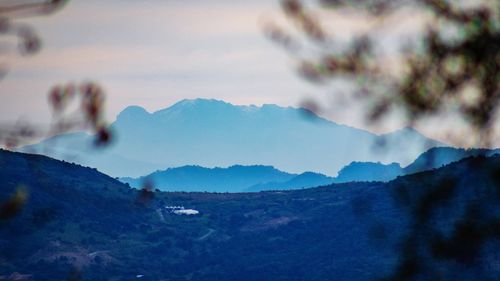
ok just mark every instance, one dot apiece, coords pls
pixel 236 178
pixel 195 178
pixel 255 178
pixel 304 180
pixel 212 133
pixel 369 171
pixel 441 156
pixel 432 159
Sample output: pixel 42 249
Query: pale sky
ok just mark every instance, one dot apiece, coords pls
pixel 154 53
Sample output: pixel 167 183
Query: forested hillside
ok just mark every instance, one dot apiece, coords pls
pixel 79 222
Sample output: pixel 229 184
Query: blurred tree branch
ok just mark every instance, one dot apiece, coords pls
pixel 456 65
pixel 451 69
pixel 13 10
pixel 91 97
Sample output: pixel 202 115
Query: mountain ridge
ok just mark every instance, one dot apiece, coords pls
pixel 353 172
pixel 235 178
pixel 213 133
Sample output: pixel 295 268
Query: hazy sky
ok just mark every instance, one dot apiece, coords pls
pixel 153 53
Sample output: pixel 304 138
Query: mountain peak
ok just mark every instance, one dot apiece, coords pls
pixel 132 111
pixel 215 133
pixel 200 102
pixel 368 171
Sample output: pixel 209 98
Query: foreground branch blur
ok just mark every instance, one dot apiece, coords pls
pixel 454 68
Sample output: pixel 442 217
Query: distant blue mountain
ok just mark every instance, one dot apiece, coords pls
pixel 213 133
pixel 368 171
pixel 236 178
pixel 239 178
pixel 195 178
pixel 432 159
pixel 304 180
pixel 437 157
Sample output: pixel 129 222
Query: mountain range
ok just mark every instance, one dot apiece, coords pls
pixel 431 159
pixel 236 178
pixel 195 178
pixel 240 178
pixel 212 133
pixel 61 221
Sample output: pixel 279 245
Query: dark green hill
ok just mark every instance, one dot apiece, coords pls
pixel 438 223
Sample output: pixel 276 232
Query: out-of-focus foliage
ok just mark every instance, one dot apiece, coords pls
pixel 11 11
pixel 89 96
pixel 89 116
pixel 455 65
pixel 14 204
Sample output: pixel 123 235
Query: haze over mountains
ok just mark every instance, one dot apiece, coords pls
pixel 195 178
pixel 231 179
pixel 254 178
pixel 214 133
